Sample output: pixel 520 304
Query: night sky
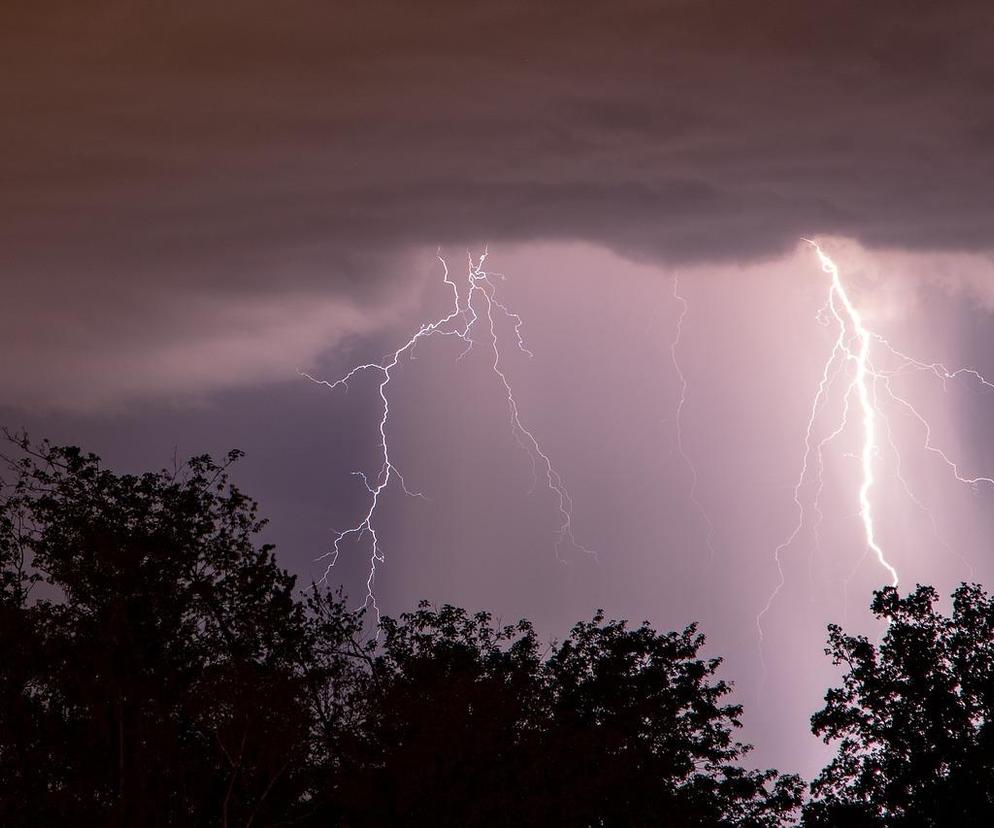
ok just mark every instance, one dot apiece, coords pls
pixel 197 201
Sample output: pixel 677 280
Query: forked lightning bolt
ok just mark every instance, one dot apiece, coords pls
pixel 476 307
pixel 852 357
pixel 861 356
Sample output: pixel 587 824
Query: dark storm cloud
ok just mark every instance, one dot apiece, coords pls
pixel 163 162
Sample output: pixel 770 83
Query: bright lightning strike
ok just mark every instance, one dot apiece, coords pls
pixel 478 307
pixel 852 357
pixel 862 358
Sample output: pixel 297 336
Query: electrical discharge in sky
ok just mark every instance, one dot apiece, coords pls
pixel 852 357
pixel 476 309
pixel 678 421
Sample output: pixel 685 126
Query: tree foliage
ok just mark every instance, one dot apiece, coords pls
pixel 615 726
pixel 158 668
pixel 913 719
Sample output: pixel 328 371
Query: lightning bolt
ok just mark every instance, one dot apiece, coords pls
pixel 678 419
pixel 852 357
pixel 475 309
pixel 861 356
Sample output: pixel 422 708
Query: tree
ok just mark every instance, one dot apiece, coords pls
pixel 157 668
pixel 914 717
pixel 469 725
pixel 643 735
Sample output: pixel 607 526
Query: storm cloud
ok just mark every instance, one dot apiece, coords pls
pixel 184 180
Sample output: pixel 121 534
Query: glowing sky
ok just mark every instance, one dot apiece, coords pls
pixel 195 204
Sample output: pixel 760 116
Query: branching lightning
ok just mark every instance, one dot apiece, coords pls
pixel 861 356
pixel 475 308
pixel 854 389
pixel 867 386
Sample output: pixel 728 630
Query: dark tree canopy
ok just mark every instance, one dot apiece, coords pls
pixel 615 726
pixel 914 718
pixel 158 668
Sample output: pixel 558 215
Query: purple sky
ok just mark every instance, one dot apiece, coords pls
pixel 197 203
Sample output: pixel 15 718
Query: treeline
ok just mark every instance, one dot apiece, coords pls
pixel 158 668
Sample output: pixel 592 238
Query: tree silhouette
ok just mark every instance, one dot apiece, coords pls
pixel 616 726
pixel 157 668
pixel 914 717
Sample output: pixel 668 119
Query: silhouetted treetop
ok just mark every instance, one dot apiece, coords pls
pixel 914 717
pixel 158 668
pixel 613 726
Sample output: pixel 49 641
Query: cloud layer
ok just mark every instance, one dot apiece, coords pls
pixel 163 162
